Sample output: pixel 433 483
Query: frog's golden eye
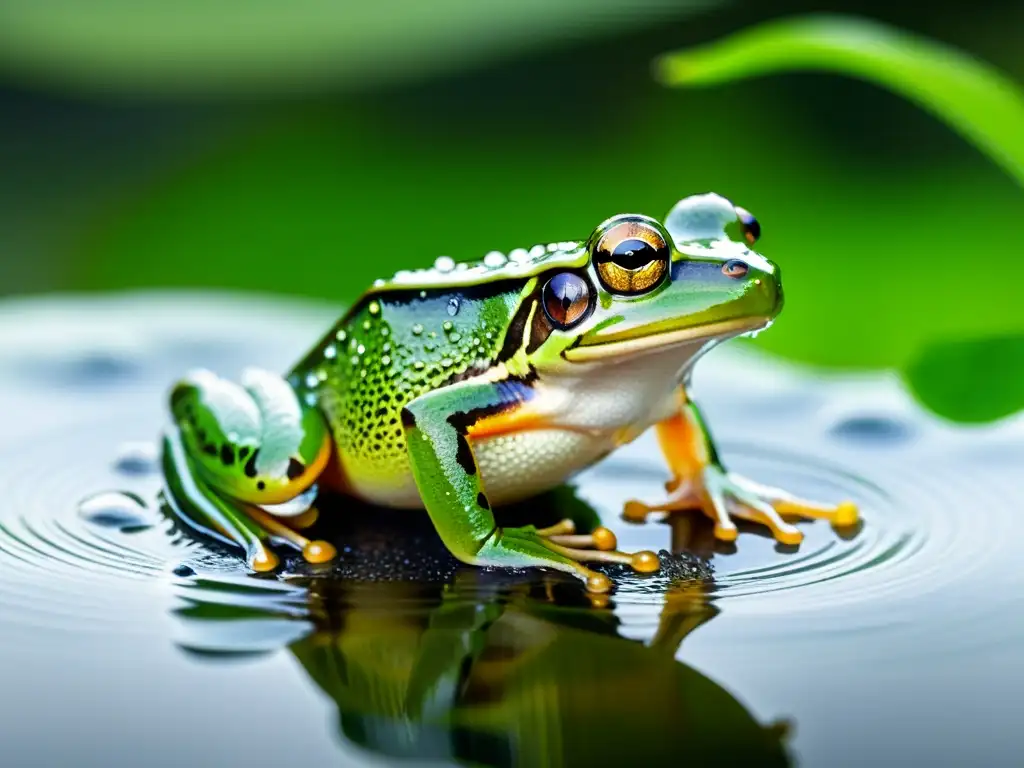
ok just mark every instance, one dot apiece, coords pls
pixel 566 299
pixel 632 257
pixel 751 227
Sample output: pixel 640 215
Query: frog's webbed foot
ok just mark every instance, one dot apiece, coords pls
pixel 242 463
pixel 561 547
pixel 723 495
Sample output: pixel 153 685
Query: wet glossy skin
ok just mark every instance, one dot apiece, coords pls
pixel 463 387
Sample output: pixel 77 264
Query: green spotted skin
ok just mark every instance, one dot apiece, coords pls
pixel 392 347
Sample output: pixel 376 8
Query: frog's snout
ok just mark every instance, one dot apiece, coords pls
pixel 762 279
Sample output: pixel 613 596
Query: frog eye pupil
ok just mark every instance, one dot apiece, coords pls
pixel 566 299
pixel 633 253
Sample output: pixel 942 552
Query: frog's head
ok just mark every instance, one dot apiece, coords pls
pixel 647 286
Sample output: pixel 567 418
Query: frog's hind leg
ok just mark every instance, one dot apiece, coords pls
pixel 216 517
pixel 245 459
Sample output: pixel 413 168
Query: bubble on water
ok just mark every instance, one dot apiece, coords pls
pixel 137 458
pixel 116 509
pixel 873 428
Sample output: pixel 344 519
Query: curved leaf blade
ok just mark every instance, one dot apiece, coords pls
pixel 981 103
pixel 973 380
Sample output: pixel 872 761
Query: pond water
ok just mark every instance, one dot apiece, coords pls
pixel 125 641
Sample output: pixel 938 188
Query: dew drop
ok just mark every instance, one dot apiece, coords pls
pixel 385 360
pixel 331 352
pixel 374 308
pixel 495 259
pixel 385 331
pixel 312 380
pixel 454 338
pixel 137 459
pixel 116 509
pixel 447 325
pixel 341 335
pixel 361 349
pixel 453 306
pixel 537 251
pixel 366 325
pixel 417 329
pixel 423 294
pixel 444 264
pixel 519 255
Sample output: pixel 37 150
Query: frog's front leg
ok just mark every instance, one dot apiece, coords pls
pixel 244 460
pixel 437 427
pixel 700 481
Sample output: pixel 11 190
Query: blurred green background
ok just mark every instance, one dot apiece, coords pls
pixel 307 148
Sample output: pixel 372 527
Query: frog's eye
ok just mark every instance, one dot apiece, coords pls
pixel 632 257
pixel 751 227
pixel 566 299
pixel 735 268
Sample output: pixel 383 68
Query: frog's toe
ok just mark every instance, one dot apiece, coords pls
pixel 597 546
pixel 313 551
pixel 842 515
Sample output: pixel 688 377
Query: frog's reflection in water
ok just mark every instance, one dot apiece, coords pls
pixel 522 669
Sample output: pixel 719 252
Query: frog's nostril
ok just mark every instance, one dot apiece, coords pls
pixel 735 268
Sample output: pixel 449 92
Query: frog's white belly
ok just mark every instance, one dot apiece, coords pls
pixel 513 466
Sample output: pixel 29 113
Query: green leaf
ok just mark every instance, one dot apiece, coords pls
pixel 232 46
pixel 975 99
pixel 974 380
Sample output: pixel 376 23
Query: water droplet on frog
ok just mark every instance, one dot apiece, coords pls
pixel 116 509
pixel 341 335
pixel 495 259
pixel 537 251
pixel 453 307
pixel 312 380
pixel 417 329
pixel 378 283
pixel 444 264
pixel 331 352
pixel 447 326
pixel 519 255
pixel 137 459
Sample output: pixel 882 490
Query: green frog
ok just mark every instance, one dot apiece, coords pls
pixel 466 386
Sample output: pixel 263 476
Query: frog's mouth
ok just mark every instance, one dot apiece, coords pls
pixel 639 342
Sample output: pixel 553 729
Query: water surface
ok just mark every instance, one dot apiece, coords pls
pixel 125 641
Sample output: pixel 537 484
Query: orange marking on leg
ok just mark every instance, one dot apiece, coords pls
pixel 681 446
pixel 517 419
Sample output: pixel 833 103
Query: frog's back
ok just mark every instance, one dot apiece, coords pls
pixel 420 331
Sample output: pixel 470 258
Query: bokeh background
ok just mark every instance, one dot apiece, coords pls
pixel 307 148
